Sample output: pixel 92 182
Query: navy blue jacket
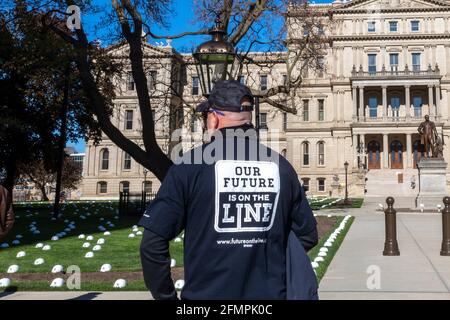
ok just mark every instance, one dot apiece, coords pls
pixel 237 212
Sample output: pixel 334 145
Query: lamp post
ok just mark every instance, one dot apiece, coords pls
pixel 145 171
pixel 346 182
pixel 216 59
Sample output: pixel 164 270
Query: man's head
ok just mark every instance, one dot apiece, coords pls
pixel 427 117
pixel 230 104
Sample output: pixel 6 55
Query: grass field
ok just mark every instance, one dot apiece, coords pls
pixel 34 225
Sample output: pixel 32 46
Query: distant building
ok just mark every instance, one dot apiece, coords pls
pixel 387 65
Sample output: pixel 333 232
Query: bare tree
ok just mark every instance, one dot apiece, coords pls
pixel 246 22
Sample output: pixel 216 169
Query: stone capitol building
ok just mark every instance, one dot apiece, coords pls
pixel 387 65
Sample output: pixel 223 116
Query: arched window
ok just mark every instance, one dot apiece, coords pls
pixel 102 187
pixel 104 159
pixel 126 161
pixel 305 150
pixel 321 153
pixel 373 107
pixel 124 186
pixel 417 105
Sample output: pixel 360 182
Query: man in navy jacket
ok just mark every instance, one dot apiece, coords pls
pixel 237 202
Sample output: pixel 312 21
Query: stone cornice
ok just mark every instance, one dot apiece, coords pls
pixel 378 37
pixel 388 10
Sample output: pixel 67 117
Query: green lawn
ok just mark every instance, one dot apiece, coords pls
pixel 119 250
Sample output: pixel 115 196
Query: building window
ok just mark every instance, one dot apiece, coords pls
pixel 372 63
pixel 263 82
pixel 305 30
pixel 393 61
pixel 126 161
pixel 124 186
pixel 151 80
pixel 417 105
pixel 147 186
pixel 102 187
pixel 305 183
pixel 371 26
pixel 130 81
pixel 320 30
pixel 393 26
pixel 305 110
pixel 320 66
pixel 195 86
pixel 263 120
pixel 129 119
pixel 305 150
pixel 415 61
pixel 321 153
pixel 395 105
pixel 242 80
pixel 104 157
pixel 415 26
pixel 193 123
pixel 284 121
pixel 321 184
pixel 283 153
pixel 373 107
pixel 285 80
pixel 321 109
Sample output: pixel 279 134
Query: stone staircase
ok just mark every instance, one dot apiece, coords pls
pixel 384 183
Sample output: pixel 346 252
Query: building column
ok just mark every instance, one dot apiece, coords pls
pixel 362 137
pixel 355 154
pixel 385 151
pixel 407 102
pixel 430 100
pixel 437 103
pixel 355 103
pixel 361 104
pixel 408 150
pixel 384 99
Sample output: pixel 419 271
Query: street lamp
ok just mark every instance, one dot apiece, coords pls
pixel 145 171
pixel 216 59
pixel 346 183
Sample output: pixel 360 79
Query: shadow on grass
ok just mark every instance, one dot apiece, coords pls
pixel 100 213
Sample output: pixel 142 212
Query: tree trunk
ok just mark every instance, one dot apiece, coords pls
pixel 44 193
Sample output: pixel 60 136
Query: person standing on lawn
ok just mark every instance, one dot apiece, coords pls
pixel 238 201
pixel 6 212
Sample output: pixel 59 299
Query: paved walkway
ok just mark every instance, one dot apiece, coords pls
pixel 418 273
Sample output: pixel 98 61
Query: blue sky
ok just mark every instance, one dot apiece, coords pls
pixel 182 20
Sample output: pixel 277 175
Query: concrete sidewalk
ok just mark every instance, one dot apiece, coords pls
pixel 418 273
pixel 76 295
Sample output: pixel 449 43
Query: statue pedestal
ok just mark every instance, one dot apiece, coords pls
pixel 432 182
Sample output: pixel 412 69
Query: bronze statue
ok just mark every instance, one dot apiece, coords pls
pixel 430 139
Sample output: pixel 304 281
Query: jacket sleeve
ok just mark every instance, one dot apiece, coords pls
pixel 304 224
pixel 155 261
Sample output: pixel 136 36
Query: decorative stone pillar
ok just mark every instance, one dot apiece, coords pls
pixel 437 103
pixel 385 151
pixel 407 102
pixel 430 100
pixel 361 103
pixel 385 111
pixel 362 137
pixel 354 103
pixel 355 154
pixel 408 150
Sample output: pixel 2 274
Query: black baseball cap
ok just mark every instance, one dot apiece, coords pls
pixel 227 95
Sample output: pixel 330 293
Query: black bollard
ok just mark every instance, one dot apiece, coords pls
pixel 445 249
pixel 390 244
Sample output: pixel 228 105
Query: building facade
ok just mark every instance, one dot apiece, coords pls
pixel 387 65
